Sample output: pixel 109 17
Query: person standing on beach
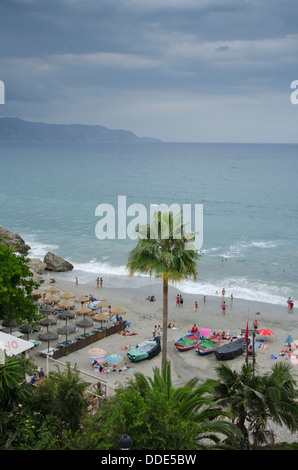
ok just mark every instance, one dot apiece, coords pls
pixel 154 332
pixel 97 282
pixel 77 281
pixel 196 305
pixel 101 281
pixel 223 308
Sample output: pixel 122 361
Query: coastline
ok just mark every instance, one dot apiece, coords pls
pixel 143 315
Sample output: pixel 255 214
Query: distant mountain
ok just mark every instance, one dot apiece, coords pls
pixel 15 129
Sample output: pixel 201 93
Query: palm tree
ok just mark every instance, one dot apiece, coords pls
pixel 257 400
pixel 193 403
pixel 167 255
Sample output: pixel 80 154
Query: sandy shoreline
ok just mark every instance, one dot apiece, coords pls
pixel 144 315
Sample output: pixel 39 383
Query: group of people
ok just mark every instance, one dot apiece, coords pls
pixel 179 300
pixel 290 305
pixel 156 331
pixel 37 378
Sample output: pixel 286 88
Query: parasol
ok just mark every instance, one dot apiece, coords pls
pixel 83 310
pixel 48 322
pixel 101 317
pixel 10 323
pixel 83 298
pixel 65 304
pixel 51 299
pixel 48 336
pixel 85 323
pixel 52 289
pixel 96 353
pixel 118 311
pixel 266 332
pixel 66 314
pixel 114 358
pixel 205 332
pixel 47 309
pixel 27 328
pixel 66 330
pixel 67 295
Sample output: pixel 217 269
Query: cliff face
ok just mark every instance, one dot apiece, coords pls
pixel 14 129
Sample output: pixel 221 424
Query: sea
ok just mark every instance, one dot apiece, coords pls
pixel 54 196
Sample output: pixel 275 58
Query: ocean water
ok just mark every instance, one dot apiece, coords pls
pixel 49 193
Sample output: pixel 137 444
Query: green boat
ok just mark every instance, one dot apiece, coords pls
pixel 145 350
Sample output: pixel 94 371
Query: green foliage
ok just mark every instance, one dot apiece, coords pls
pixel 255 400
pixel 13 387
pixel 16 285
pixel 161 417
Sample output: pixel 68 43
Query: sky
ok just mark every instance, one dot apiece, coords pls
pixel 177 70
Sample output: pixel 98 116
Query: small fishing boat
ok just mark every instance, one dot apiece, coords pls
pixel 187 342
pixel 145 350
pixel 231 350
pixel 208 345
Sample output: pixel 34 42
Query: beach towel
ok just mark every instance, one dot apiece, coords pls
pixel 262 346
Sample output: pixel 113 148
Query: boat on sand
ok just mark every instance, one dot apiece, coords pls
pixel 208 345
pixel 187 342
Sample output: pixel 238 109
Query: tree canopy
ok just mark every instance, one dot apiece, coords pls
pixel 16 285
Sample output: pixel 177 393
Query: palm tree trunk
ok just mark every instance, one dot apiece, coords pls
pixel 165 323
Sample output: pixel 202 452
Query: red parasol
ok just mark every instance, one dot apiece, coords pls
pixel 265 332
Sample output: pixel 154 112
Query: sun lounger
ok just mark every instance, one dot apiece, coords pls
pixel 47 352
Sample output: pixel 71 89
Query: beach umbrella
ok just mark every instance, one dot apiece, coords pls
pixel 205 332
pixel 37 293
pixel 66 330
pixel 101 317
pixel 47 309
pixel 96 353
pixel 52 289
pixel 114 359
pixel 52 299
pixel 100 304
pixel 85 323
pixel 67 314
pixel 48 336
pixel 48 322
pixel 27 328
pixel 289 339
pixel 65 304
pixel 83 310
pixel 10 323
pixel 266 332
pixel 67 295
pixel 118 311
pixel 82 298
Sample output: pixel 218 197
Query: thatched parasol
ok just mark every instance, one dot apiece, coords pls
pixel 52 289
pixel 65 304
pixel 67 295
pixel 84 310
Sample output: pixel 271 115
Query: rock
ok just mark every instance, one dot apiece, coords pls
pixel 56 263
pixel 36 265
pixel 13 240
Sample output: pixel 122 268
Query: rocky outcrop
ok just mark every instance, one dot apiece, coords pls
pixel 56 263
pixel 36 265
pixel 13 240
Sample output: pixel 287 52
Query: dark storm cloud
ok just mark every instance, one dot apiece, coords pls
pixel 74 59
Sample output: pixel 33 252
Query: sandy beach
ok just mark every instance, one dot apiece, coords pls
pixel 143 315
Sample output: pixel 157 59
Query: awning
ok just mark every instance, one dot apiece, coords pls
pixel 12 345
